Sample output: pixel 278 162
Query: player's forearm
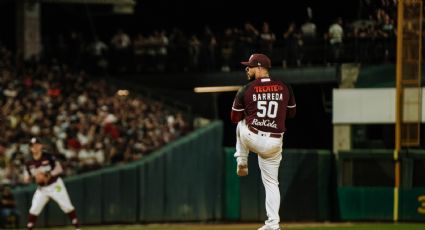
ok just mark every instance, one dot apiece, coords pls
pixel 235 117
pixel 57 170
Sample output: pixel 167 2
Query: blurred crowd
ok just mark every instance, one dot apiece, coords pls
pixel 370 38
pixel 90 123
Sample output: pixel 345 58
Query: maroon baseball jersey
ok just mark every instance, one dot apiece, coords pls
pixel 265 103
pixel 45 164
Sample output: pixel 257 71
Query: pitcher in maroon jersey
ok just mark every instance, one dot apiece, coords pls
pixel 260 109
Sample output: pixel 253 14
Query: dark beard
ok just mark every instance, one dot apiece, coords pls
pixel 251 79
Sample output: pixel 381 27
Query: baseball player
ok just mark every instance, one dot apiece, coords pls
pixel 260 109
pixel 46 170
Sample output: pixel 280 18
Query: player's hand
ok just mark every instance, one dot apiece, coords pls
pixel 41 178
pixel 26 179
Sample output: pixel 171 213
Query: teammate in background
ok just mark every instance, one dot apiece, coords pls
pixel 260 108
pixel 46 170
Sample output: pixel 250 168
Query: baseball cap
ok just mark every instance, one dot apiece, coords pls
pixel 258 60
pixel 37 140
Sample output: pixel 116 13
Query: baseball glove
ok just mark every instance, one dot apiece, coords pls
pixel 41 178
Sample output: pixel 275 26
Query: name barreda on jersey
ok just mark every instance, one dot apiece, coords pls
pixel 264 122
pixel 267 96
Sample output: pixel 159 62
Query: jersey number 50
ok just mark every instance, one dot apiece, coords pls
pixel 267 108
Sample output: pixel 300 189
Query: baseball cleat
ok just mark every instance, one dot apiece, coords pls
pixel 242 170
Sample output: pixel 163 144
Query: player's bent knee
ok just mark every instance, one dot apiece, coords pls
pixel 67 209
pixel 35 211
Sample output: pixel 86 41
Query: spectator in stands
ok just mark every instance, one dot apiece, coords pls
pixel 98 56
pixel 194 52
pixel 3 179
pixel 266 40
pixel 162 46
pixel 121 50
pixel 308 33
pixel 292 46
pixel 336 34
pixel 179 54
pixel 9 214
pixel 139 49
pixel 151 52
pixel 363 36
pixel 208 50
pixel 227 49
pixel 309 30
pixel 388 33
pixel 248 38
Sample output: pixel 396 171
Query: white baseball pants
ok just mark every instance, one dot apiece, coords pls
pixel 269 151
pixel 57 191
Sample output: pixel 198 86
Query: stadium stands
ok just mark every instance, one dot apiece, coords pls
pixel 90 123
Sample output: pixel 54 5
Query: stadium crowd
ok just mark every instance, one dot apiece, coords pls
pixel 370 38
pixel 90 123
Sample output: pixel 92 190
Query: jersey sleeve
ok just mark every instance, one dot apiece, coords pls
pixel 238 102
pixel 238 107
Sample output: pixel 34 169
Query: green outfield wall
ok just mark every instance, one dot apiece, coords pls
pixel 180 182
pixel 366 185
pixel 305 185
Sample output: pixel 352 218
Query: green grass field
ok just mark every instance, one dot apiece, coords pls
pixel 297 226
